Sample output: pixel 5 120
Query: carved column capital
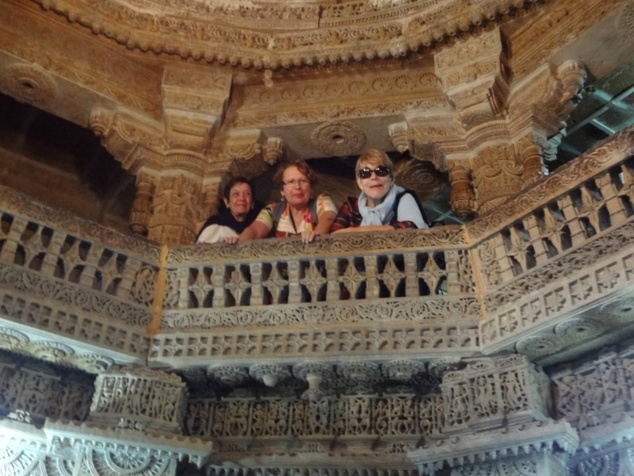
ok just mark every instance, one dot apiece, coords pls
pixel 437 139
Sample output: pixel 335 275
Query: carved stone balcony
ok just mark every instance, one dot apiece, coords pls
pixel 330 325
pixel 530 276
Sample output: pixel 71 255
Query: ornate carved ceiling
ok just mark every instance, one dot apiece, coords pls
pixel 210 86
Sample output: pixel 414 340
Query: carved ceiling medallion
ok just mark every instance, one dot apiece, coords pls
pixel 339 138
pixel 28 83
pixel 625 20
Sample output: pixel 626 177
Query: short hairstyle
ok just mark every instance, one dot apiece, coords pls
pixel 233 181
pixel 374 158
pixel 302 166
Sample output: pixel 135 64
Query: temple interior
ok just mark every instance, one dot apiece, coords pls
pixel 500 341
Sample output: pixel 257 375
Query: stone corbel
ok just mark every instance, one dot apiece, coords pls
pixel 133 140
pixel 270 375
pixel 194 103
pixel 399 136
pixel 249 153
pixel 436 138
pixel 314 374
pixel 473 74
pixel 557 92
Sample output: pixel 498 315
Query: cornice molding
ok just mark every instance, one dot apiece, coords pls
pixel 250 35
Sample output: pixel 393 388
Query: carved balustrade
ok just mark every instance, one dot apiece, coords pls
pixel 551 257
pixel 390 294
pixel 64 281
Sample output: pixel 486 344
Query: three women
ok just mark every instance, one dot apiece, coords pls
pixel 381 205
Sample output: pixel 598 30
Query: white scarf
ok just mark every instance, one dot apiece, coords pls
pixel 383 213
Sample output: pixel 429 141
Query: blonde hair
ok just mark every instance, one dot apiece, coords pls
pixel 373 158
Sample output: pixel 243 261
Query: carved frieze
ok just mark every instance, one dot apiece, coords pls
pixel 248 36
pixel 139 398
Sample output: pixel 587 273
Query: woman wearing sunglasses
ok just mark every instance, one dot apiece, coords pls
pixel 382 205
pixel 298 213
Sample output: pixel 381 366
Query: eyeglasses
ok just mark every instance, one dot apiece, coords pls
pixel 294 182
pixel 381 171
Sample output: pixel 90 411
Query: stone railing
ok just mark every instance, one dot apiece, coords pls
pixel 72 292
pixel 395 294
pixel 519 278
pixel 559 253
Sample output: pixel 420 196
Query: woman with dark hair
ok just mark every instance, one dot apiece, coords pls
pixel 298 213
pixel 382 205
pixel 239 212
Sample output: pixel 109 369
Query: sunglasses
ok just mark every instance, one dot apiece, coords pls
pixel 381 171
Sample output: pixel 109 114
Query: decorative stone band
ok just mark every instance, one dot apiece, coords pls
pixel 105 444
pixel 424 310
pixel 511 443
pixel 91 449
pixel 282 345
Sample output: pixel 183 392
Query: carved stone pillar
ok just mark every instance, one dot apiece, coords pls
pixel 175 210
pixel 142 204
pixel 211 198
pixel 530 153
pixel 172 157
pixel 462 198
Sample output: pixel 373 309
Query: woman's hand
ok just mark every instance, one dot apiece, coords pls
pixel 308 236
pixel 232 240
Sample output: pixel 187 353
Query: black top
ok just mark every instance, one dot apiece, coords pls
pixel 225 218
